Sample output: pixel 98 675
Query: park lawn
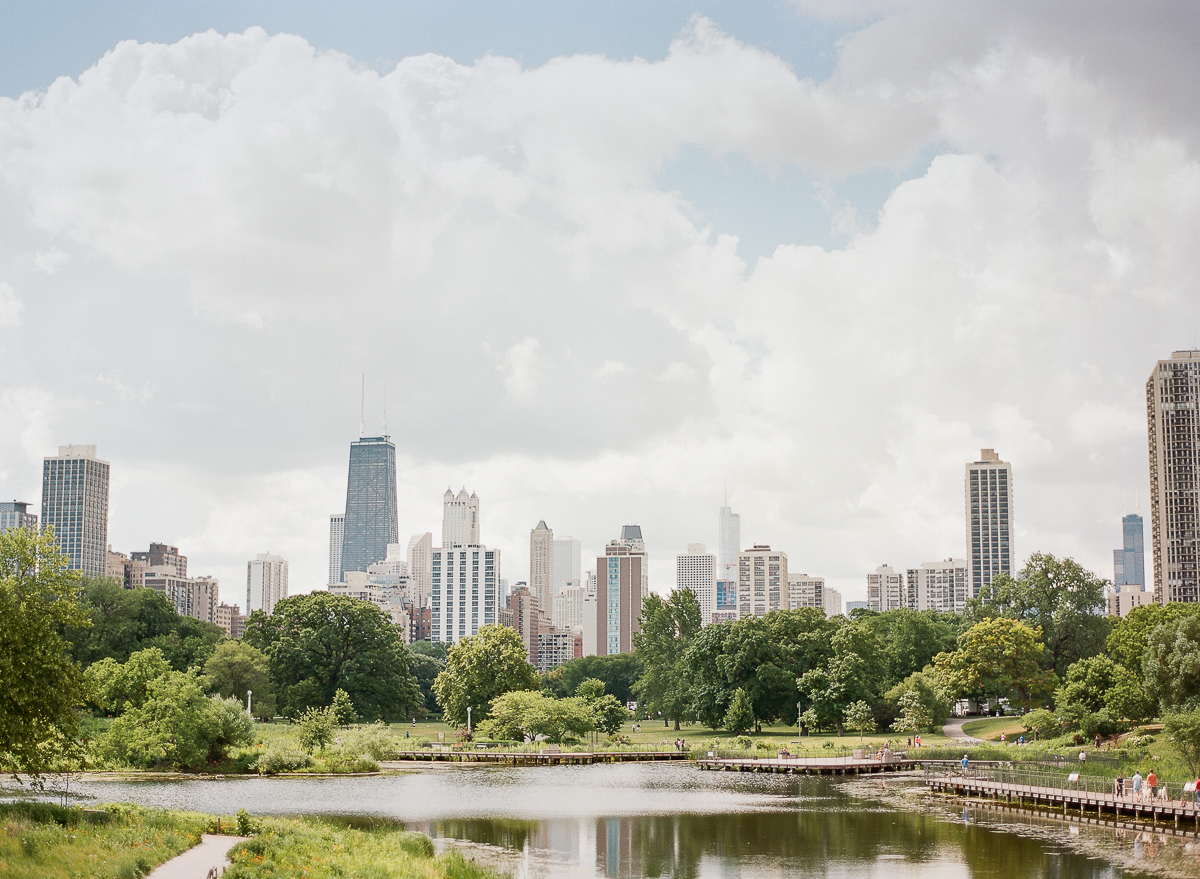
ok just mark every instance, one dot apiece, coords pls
pixel 990 728
pixel 44 841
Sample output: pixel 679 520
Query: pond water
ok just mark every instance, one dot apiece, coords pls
pixel 641 820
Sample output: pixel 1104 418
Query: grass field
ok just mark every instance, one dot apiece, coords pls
pixel 991 728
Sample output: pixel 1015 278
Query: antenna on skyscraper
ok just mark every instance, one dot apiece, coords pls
pixel 385 405
pixel 362 410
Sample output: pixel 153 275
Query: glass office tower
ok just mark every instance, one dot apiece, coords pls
pixel 1129 562
pixel 370 523
pixel 75 504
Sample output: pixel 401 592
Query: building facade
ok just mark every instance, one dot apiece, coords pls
pixel 1122 599
pixel 1173 428
pixel 192 597
pixel 696 569
pixel 729 544
pixel 622 581
pixel 460 519
pixel 762 581
pixel 941 586
pixel 15 514
pixel 266 582
pixel 568 563
pixel 420 567
pixel 989 496
pixel 1129 562
pixel 463 591
pixel 75 505
pixel 160 555
pixel 725 608
pixel 806 591
pixel 885 590
pixel 337 536
pixel 541 566
pixel 568 608
pixel 370 520
pixel 229 617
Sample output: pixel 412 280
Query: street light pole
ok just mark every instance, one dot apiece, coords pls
pixel 468 720
pixel 799 720
pixel 249 714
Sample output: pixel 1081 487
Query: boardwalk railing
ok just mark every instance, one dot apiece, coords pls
pixel 1029 781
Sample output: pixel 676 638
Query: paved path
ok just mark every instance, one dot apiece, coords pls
pixel 196 862
pixel 954 730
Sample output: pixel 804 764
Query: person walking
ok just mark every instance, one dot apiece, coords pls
pixel 1137 785
pixel 964 764
pixel 1119 785
pixel 1151 785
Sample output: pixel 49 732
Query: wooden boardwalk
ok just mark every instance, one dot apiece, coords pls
pixel 1072 796
pixel 538 758
pixel 808 765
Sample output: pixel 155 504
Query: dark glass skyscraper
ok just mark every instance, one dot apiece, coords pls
pixel 1129 562
pixel 370 503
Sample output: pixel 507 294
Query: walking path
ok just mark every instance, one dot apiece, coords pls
pixel 953 729
pixel 200 861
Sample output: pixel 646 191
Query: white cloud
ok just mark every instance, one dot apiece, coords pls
pixel 10 306
pixel 249 220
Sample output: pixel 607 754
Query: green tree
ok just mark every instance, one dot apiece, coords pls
pixel 178 725
pixel 1130 635
pixel 852 675
pixel 235 668
pixel 343 709
pixel 1171 664
pixel 997 658
pixel 319 643
pixel 40 687
pixel 740 717
pixel 1183 732
pixel 1041 723
pixel 590 689
pixel 315 727
pixel 433 649
pixel 480 669
pixel 523 715
pixel 860 717
pixel 425 669
pixel 908 640
pixel 609 714
pixel 118 621
pixel 667 629
pixel 921 702
pixel 1059 597
pixel 618 671
pixel 114 685
pixel 1127 699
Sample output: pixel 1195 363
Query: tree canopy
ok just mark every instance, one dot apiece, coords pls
pixel 1059 597
pixel 319 643
pixel 618 671
pixel 235 668
pixel 1171 663
pixel 998 658
pixel 41 686
pixel 479 670
pixel 667 629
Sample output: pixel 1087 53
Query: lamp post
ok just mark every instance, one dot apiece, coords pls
pixel 468 720
pixel 249 714
pixel 799 721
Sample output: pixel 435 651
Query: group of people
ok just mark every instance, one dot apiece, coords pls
pixel 916 739
pixel 1147 788
pixel 681 744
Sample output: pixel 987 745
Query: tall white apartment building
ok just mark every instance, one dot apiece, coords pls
pixel 1173 434
pixel 337 535
pixel 568 563
pixel 989 519
pixel 941 586
pixel 75 504
pixel 729 544
pixel 463 593
pixel 420 567
pixel 885 590
pixel 460 519
pixel 588 602
pixel 806 591
pixel 568 608
pixel 541 566
pixel 266 582
pixel 696 569
pixel 762 581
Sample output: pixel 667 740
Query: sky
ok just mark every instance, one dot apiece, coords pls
pixel 610 262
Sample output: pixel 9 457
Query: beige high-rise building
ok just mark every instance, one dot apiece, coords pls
pixel 941 586
pixel 696 569
pixel 266 582
pixel 541 566
pixel 1173 432
pixel 192 597
pixel 885 590
pixel 420 567
pixel 161 555
pixel 989 495
pixel 460 519
pixel 806 591
pixel 568 608
pixel 762 581
pixel 526 619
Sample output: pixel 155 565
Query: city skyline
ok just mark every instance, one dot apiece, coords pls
pixel 687 239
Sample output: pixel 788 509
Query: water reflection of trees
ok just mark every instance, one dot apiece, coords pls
pixel 810 842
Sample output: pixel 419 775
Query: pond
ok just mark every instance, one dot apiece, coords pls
pixel 670 820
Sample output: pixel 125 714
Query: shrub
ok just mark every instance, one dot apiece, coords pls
pixel 764 745
pixel 281 756
pixel 247 826
pixel 374 740
pixel 619 739
pixel 743 742
pixel 316 726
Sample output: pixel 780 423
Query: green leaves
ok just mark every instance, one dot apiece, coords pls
pixel 998 657
pixel 740 717
pixel 479 670
pixel 667 627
